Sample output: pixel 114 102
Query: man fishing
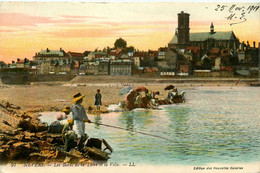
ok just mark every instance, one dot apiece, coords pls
pixel 80 117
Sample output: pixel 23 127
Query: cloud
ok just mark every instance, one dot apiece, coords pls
pixel 207 23
pixel 108 29
pixel 6 30
pixel 95 33
pixel 82 17
pixel 81 33
pixel 139 23
pixel 19 19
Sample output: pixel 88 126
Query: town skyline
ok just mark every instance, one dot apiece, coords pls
pixel 27 28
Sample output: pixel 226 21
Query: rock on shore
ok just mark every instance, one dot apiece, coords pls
pixel 24 139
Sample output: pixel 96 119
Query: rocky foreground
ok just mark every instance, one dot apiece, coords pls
pixel 23 139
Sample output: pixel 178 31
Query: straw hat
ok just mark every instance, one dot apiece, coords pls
pixel 77 97
pixel 66 109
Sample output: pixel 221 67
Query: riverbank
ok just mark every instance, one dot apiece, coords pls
pixel 53 96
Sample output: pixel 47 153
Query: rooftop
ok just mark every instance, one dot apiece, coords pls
pixel 50 52
pixel 75 54
pixel 202 36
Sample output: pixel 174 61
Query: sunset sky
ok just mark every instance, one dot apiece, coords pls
pixel 28 27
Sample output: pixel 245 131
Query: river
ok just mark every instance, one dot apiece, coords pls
pixel 215 125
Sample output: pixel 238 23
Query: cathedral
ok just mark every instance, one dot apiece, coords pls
pixel 205 40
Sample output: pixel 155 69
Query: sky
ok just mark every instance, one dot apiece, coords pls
pixel 28 27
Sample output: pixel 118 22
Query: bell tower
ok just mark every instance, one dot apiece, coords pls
pixel 183 29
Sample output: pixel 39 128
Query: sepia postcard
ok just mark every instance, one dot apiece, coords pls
pixel 128 86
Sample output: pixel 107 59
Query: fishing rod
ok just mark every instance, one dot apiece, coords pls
pixel 143 133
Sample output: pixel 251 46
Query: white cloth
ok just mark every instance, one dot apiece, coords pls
pixel 78 112
pixel 79 128
pixel 153 101
pixel 64 122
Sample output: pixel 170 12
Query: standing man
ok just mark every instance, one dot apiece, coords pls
pixel 80 117
pixel 98 97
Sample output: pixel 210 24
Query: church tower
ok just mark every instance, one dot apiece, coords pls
pixel 183 29
pixel 212 28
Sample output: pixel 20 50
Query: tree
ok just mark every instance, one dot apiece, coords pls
pixel 2 64
pixel 86 53
pixel 120 43
pixel 108 49
pixel 130 49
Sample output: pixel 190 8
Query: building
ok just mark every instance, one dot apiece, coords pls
pixel 55 55
pixel 44 67
pixel 94 55
pixel 20 63
pixel 112 55
pixel 205 40
pixel 161 53
pixel 139 58
pixel 120 67
pixel 76 56
pixel 92 68
pixel 167 65
pixel 103 68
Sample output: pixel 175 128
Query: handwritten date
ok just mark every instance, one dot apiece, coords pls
pixel 236 13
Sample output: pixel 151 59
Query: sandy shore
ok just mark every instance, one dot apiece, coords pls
pixel 50 96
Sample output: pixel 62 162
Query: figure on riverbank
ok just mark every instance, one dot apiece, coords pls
pixel 153 97
pixel 150 99
pixel 65 113
pixel 175 92
pixel 98 97
pixel 170 96
pixel 130 100
pixel 79 117
pixel 138 100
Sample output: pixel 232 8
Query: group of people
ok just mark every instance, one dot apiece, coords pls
pixel 172 94
pixel 135 99
pixel 74 118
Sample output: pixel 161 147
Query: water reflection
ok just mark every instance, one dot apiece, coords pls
pixel 135 120
pixel 179 117
pixel 97 121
